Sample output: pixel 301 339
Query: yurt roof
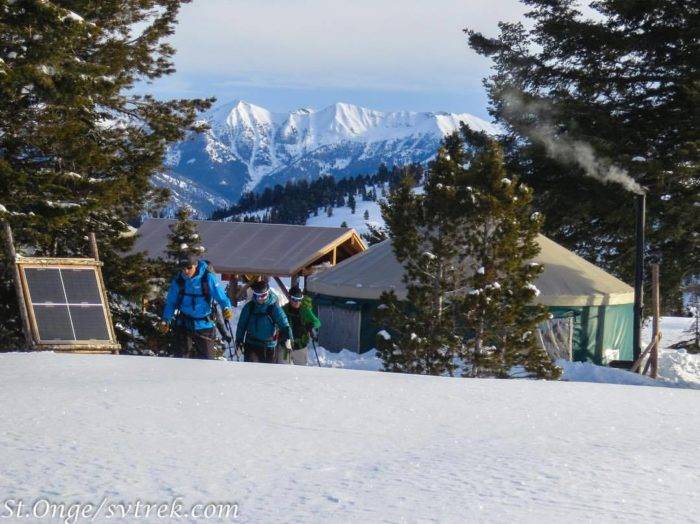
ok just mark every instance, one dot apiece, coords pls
pixel 567 279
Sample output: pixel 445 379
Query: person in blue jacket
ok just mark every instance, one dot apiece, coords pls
pixel 262 326
pixel 188 307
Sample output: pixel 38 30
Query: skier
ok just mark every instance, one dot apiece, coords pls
pixel 304 324
pixel 263 326
pixel 188 306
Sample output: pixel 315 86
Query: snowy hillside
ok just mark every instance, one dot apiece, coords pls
pixel 355 220
pixel 295 444
pixel 249 147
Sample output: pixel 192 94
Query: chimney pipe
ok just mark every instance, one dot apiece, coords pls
pixel 639 275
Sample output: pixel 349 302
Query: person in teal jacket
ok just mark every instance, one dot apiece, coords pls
pixel 188 307
pixel 262 326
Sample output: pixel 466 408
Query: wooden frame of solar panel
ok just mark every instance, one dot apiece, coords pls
pixel 91 331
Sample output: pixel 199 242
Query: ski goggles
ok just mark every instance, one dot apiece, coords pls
pixel 261 295
pixel 295 299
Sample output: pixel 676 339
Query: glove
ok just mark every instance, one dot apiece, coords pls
pixel 313 333
pixel 228 314
pixel 163 327
pixel 239 344
pixel 288 344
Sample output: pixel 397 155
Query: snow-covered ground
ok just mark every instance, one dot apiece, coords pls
pixel 676 367
pixel 355 220
pixel 302 444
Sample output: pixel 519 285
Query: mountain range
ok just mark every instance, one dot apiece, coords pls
pixel 248 147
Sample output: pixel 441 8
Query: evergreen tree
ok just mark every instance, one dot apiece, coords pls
pixel 624 82
pixel 77 146
pixel 466 244
pixel 366 214
pixel 498 241
pixel 344 224
pixel 422 330
pixel 329 211
pixel 352 203
pixel 184 239
pixel 375 234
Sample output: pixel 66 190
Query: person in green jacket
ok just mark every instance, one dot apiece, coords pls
pixel 304 324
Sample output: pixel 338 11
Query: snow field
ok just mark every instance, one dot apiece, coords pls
pixel 291 444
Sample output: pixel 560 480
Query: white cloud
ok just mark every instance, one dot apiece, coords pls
pixel 381 44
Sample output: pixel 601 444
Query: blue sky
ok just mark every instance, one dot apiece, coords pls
pixel 381 54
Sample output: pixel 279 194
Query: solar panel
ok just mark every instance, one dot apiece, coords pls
pixel 67 305
pixel 45 285
pixel 89 323
pixel 53 322
pixel 81 286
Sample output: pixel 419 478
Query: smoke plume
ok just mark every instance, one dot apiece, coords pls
pixel 562 148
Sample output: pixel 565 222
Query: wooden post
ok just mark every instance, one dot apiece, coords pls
pixel 232 290
pixel 26 329
pixel 93 246
pixel 335 256
pixel 656 312
pixel 282 286
pixel 96 255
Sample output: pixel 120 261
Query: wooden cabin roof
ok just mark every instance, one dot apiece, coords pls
pixel 257 249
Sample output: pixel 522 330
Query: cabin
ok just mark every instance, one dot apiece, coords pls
pixel 243 251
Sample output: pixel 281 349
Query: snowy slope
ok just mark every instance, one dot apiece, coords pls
pixel 294 444
pixel 354 220
pixel 249 147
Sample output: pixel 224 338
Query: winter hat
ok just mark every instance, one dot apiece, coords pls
pixel 260 287
pixel 295 293
pixel 187 261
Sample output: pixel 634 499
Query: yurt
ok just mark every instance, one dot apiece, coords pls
pixel 596 306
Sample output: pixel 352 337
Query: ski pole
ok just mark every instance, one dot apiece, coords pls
pixel 232 338
pixel 313 342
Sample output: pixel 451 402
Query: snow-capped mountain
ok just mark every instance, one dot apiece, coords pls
pixel 249 147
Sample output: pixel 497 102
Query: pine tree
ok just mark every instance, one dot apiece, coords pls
pixel 466 245
pixel 498 241
pixel 329 211
pixel 184 239
pixel 625 82
pixel 352 203
pixel 375 234
pixel 77 146
pixel 366 214
pixel 344 224
pixel 422 333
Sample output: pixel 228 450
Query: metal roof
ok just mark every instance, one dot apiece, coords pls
pixel 250 248
pixel 567 279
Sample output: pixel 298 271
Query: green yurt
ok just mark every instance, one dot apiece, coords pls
pixel 592 310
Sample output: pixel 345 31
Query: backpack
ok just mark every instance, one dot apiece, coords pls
pixel 206 292
pixel 268 312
